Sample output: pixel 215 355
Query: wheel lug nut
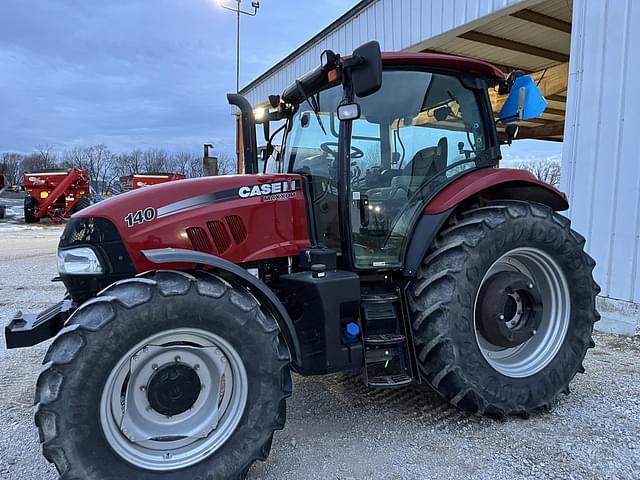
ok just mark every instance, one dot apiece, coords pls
pixel 149 408
pixel 143 388
pixel 530 285
pixel 154 366
pixel 501 317
pixel 177 359
pixel 196 367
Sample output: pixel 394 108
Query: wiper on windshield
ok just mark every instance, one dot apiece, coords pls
pixel 313 103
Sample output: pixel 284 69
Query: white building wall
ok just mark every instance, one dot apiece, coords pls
pixel 601 157
pixel 396 24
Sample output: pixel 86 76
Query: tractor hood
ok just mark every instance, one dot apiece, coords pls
pixel 243 218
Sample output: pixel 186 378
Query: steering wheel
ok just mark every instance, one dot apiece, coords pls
pixel 326 148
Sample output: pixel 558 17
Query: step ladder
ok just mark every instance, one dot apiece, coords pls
pixel 386 348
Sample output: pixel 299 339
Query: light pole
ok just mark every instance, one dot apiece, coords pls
pixel 237 10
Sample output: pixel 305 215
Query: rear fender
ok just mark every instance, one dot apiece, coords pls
pixel 173 256
pixel 477 187
pixel 491 184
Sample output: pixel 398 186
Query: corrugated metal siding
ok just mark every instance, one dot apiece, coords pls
pixel 601 158
pixel 396 24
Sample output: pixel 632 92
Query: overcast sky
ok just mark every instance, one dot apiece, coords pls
pixel 137 73
pixel 142 73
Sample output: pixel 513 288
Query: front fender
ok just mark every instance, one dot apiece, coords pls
pixel 258 288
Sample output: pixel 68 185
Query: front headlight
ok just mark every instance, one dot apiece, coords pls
pixel 78 261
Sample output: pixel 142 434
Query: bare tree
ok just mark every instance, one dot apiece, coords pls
pixel 47 155
pixel 105 167
pixel 226 163
pixel 128 163
pixel 182 163
pixel 11 167
pixel 544 170
pixel 98 160
pixel 154 160
pixel 43 158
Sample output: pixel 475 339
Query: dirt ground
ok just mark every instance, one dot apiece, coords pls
pixel 340 430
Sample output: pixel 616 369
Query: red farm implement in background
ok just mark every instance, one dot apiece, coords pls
pixel 55 193
pixel 139 180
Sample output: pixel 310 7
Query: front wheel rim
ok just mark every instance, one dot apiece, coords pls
pixel 538 351
pixel 150 414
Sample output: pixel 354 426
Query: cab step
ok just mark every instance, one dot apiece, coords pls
pixel 385 339
pixel 390 381
pixel 386 348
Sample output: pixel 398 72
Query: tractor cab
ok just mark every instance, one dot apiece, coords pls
pixel 376 137
pixel 418 132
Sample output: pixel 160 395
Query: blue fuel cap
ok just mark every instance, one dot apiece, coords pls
pixel 353 329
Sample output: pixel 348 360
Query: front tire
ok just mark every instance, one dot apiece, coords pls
pixel 503 309
pixel 125 392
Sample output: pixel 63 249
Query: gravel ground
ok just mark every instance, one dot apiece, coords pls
pixel 338 429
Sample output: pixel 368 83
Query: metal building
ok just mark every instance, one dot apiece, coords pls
pixel 584 54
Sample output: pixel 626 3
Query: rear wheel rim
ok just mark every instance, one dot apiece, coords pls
pixel 534 354
pixel 150 414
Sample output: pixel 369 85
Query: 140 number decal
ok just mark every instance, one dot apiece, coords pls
pixel 141 216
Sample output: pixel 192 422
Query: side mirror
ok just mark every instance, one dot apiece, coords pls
pixel 524 102
pixel 366 72
pixel 349 111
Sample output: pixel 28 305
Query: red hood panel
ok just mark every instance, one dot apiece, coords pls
pixel 241 218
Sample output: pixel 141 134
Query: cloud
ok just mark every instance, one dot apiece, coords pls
pixel 136 73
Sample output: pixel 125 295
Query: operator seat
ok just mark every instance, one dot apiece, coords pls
pixel 426 163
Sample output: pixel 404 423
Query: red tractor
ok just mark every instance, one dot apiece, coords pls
pixel 55 193
pixel 391 244
pixel 139 180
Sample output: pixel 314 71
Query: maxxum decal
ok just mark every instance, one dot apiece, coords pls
pixel 269 191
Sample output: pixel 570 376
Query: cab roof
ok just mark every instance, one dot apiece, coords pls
pixel 438 60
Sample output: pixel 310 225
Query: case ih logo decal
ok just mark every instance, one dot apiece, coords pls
pixel 270 191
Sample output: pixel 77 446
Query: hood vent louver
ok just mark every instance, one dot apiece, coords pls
pixel 220 236
pixel 237 228
pixel 199 239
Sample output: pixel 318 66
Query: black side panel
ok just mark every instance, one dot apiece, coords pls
pixel 423 235
pixel 320 309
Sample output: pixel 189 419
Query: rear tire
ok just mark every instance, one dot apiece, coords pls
pixel 498 378
pixel 30 206
pixel 76 429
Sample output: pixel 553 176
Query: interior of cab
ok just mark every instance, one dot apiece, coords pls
pixel 413 135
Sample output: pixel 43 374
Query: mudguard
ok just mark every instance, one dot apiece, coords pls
pixel 486 184
pixel 262 292
pixel 497 184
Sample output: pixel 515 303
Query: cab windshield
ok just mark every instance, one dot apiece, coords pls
pixel 414 135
